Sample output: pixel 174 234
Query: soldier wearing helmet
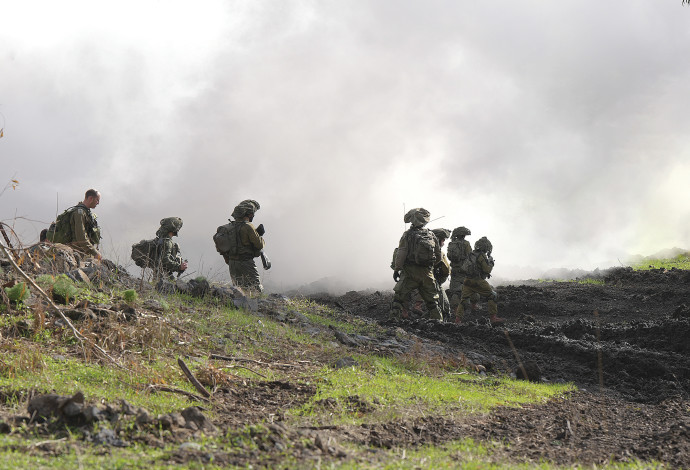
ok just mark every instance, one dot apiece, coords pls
pixel 413 266
pixel 458 251
pixel 168 258
pixel 243 270
pixel 478 270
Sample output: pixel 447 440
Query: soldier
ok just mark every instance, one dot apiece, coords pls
pixel 77 226
pixel 441 272
pixel 168 259
pixel 417 254
pixel 458 251
pixel 244 243
pixel 478 269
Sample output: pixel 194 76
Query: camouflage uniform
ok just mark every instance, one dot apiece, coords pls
pixel 243 270
pixel 168 258
pixel 414 276
pixel 476 283
pixel 458 249
pixel 86 235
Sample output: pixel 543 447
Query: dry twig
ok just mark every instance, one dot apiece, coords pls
pixel 192 379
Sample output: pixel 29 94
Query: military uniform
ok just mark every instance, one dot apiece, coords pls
pixel 86 234
pixel 475 282
pixel 168 256
pixel 243 270
pixel 459 249
pixel 414 276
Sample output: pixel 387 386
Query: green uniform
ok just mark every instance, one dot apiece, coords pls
pixel 413 277
pixel 461 249
pixel 243 270
pixel 477 284
pixel 85 232
pixel 168 258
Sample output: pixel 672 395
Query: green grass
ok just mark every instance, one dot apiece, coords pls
pixel 65 376
pixel 398 390
pixel 681 261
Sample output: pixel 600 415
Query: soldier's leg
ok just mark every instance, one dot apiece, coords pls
pixel 444 304
pixel 488 292
pixel 429 292
pixel 464 303
pixel 245 275
pixel 401 298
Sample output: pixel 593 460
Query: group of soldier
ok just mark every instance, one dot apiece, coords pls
pixel 78 227
pixel 420 268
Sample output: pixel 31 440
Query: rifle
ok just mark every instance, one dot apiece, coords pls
pixel 265 261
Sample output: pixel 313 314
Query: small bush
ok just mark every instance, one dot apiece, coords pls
pixel 18 293
pixel 130 296
pixel 64 289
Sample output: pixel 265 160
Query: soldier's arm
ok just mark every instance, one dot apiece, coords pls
pixel 80 238
pixel 484 264
pixel 170 261
pixel 402 253
pixel 249 236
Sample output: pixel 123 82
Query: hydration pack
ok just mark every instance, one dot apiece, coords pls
pixel 145 253
pixel 421 247
pixel 226 239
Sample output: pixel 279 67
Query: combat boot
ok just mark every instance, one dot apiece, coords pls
pixel 496 320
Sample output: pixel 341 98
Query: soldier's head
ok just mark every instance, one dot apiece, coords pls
pixel 483 244
pixel 92 198
pixel 170 225
pixel 418 217
pixel 461 232
pixel 442 234
pixel 245 210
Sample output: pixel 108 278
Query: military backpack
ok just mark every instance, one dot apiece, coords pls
pixel 145 253
pixel 469 265
pixel 421 247
pixel 227 240
pixel 60 231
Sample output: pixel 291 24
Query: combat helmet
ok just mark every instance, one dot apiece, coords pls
pixel 245 208
pixel 170 224
pixel 483 244
pixel 418 217
pixel 441 233
pixel 461 232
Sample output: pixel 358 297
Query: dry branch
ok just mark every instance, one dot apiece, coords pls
pixel 242 359
pixel 192 379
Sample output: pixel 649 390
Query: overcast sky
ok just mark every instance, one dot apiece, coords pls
pixel 557 129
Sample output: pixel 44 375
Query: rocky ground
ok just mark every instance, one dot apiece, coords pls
pixel 622 339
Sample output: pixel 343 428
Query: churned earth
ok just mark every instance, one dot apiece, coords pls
pixel 622 336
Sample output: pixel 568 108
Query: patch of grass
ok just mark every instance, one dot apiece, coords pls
pixel 397 391
pixel 590 280
pixel 682 261
pixel 35 371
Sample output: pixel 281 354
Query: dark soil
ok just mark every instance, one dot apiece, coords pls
pixel 624 343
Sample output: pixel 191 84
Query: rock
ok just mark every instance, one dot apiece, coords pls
pixel 127 409
pixel 345 362
pixel 107 437
pixel 195 416
pixel 530 368
pixel 46 406
pixel 143 417
pixel 344 338
pixel 5 428
pixel 79 275
pixel 246 303
pixel 190 447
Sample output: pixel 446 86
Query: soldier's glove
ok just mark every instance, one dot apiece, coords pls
pixel 396 275
pixel 260 230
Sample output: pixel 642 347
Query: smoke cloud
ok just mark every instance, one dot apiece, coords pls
pixel 558 131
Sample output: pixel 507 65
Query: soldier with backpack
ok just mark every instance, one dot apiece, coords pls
pixel 77 226
pixel 478 267
pixel 458 251
pixel 161 254
pixel 417 254
pixel 168 259
pixel 239 243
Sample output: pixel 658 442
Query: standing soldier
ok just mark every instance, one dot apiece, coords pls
pixel 478 268
pixel 168 258
pixel 441 272
pixel 417 254
pixel 77 226
pixel 239 243
pixel 458 251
